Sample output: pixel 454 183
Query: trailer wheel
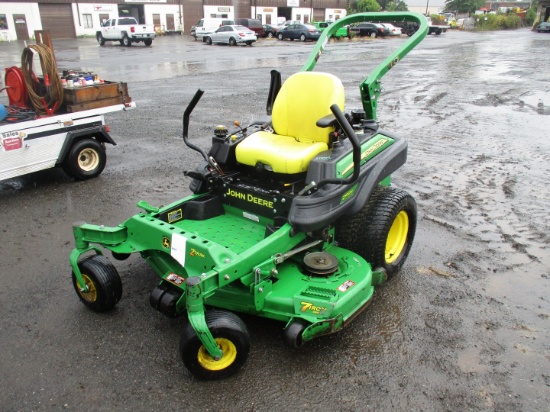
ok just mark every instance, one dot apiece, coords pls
pixel 100 39
pixel 232 337
pixel 126 41
pixel 103 281
pixel 383 231
pixel 86 159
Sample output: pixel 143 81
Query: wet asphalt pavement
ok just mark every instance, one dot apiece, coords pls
pixel 464 325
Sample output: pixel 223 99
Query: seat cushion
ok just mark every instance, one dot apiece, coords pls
pixel 283 154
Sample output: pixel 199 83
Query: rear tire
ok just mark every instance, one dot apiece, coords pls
pixel 126 42
pixel 86 159
pixel 148 42
pixel 270 35
pixel 103 281
pixel 383 231
pixel 232 337
pixel 232 42
pixel 372 34
pixel 302 37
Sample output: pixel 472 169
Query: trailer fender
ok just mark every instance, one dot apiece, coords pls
pixel 98 133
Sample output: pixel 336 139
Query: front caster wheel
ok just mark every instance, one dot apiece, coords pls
pixel 103 282
pixel 232 338
pixel 293 333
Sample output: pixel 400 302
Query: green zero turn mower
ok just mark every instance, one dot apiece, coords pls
pixel 292 219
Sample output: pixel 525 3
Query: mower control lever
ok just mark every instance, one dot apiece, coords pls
pixel 348 130
pixel 210 160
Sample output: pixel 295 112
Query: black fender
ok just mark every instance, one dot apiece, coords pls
pixel 98 132
pixel 323 207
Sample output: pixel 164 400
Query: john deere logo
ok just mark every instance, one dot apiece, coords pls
pixel 166 242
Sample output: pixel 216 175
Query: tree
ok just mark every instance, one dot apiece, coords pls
pixel 464 6
pixel 363 6
pixel 398 5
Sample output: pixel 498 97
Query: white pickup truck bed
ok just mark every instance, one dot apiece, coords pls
pixel 74 141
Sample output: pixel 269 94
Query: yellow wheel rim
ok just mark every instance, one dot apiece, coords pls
pixel 397 237
pixel 91 295
pixel 88 160
pixel 229 355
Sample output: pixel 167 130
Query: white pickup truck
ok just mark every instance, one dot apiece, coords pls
pixel 73 141
pixel 125 30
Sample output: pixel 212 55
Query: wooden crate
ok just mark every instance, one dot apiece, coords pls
pixel 92 97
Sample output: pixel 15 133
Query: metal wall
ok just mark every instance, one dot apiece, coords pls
pixel 192 13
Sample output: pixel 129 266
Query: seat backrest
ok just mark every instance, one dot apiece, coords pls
pixel 304 98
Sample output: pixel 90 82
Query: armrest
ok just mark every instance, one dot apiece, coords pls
pixel 327 121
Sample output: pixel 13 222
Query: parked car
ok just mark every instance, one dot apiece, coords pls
pixel 253 24
pixel 300 32
pixel 341 32
pixel 125 30
pixel 270 30
pixel 209 25
pixel 287 23
pixel 544 27
pixel 370 29
pixel 394 31
pixel 232 35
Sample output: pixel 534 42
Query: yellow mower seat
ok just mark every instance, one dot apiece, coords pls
pixel 304 98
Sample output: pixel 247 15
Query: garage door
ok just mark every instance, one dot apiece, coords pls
pixel 58 19
pixel 193 12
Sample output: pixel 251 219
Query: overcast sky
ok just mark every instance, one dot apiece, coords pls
pixel 431 3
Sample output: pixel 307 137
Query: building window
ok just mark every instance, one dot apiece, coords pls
pixel 87 21
pixel 3 22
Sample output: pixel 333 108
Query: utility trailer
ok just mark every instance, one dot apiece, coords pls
pixel 74 141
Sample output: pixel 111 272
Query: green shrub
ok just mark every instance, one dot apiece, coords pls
pixel 498 22
pixel 530 16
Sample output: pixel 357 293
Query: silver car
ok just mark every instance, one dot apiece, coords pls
pixel 231 35
pixel 394 31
